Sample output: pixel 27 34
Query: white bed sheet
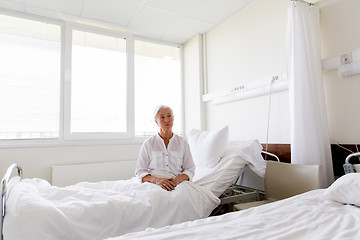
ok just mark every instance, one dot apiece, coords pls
pixel 306 216
pixel 37 210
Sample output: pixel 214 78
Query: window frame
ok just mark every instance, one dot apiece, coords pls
pixel 67 36
pixel 182 93
pixel 65 137
pixel 8 143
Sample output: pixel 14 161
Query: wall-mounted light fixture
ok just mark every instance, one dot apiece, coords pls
pixel 249 89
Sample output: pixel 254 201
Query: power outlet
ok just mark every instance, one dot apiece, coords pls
pixel 346 58
pixel 275 78
pixel 238 88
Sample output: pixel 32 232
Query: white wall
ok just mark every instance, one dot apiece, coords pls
pixel 247 47
pixel 193 84
pixel 37 162
pixel 251 45
pixel 340 25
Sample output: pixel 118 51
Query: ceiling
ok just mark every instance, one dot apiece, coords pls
pixel 165 20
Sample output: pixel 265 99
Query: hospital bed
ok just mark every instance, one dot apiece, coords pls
pixel 34 209
pixel 332 213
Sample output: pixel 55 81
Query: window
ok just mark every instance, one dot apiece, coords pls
pixel 29 78
pixel 67 81
pixel 98 83
pixel 157 81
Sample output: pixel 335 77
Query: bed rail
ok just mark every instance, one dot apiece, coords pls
pixel 4 183
pixel 271 154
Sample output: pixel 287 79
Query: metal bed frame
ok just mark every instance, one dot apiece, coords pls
pixel 237 194
pixel 4 183
pixel 348 167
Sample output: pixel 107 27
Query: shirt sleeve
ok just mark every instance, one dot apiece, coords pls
pixel 143 161
pixel 188 163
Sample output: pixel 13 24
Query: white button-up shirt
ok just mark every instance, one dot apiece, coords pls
pixel 176 159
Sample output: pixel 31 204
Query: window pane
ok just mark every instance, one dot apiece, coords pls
pixel 98 83
pixel 157 81
pixel 29 78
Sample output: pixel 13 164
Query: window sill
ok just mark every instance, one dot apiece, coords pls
pixel 29 143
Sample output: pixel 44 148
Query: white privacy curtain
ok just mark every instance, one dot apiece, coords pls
pixel 310 142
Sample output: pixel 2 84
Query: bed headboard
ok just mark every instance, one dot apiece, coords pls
pixel 283 151
pixel 338 152
pixel 66 175
pixel 251 179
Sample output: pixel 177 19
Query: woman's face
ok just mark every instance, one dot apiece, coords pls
pixel 165 119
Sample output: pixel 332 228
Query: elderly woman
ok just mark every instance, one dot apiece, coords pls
pixel 165 159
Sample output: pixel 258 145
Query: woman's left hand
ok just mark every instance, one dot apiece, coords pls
pixel 179 179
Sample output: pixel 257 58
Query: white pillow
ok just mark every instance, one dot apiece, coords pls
pixel 345 189
pixel 207 147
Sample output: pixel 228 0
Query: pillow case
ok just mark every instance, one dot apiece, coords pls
pixel 207 147
pixel 345 189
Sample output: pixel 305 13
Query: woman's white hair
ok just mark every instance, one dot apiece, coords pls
pixel 158 108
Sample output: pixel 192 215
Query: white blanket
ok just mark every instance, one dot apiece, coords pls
pixel 37 210
pixel 238 154
pixel 307 216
